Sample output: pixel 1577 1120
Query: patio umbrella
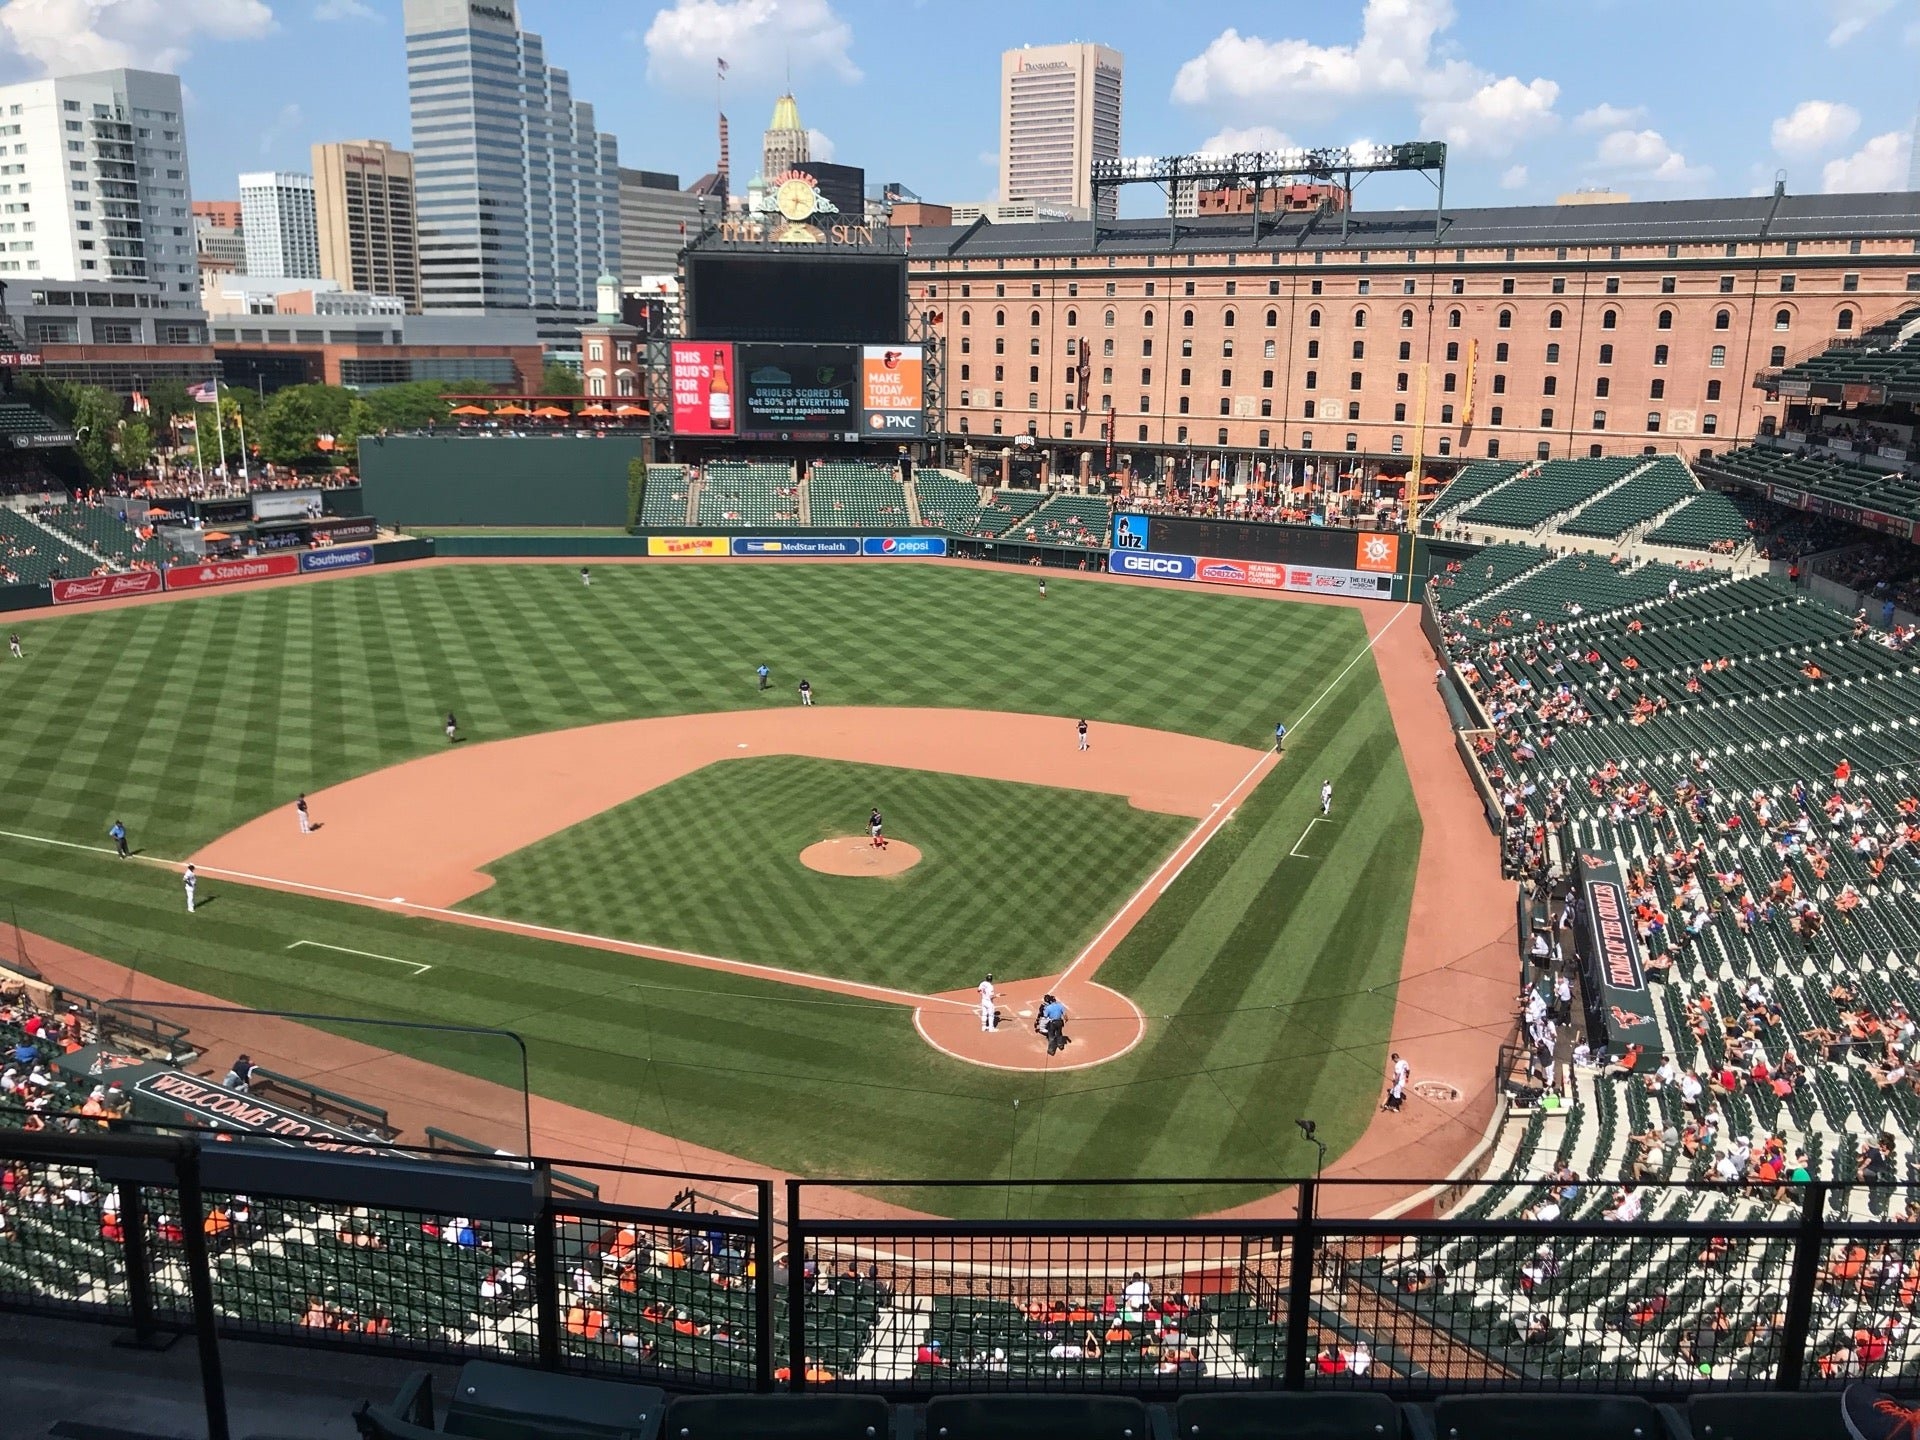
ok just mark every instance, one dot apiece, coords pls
pixel 512 410
pixel 213 535
pixel 595 410
pixel 552 412
pixel 468 410
pixel 156 510
pixel 628 410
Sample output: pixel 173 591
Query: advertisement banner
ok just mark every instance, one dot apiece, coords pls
pixel 363 527
pixel 1314 579
pixel 795 545
pixel 1146 562
pixel 687 545
pixel 228 572
pixel 1616 988
pixel 107 587
pixel 703 388
pixel 903 545
pixel 1131 532
pixel 320 561
pixel 1379 554
pixel 890 391
pixel 1794 387
pixel 286 504
pixel 804 390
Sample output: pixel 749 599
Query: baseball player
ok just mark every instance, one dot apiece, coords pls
pixel 13 646
pixel 453 728
pixel 1043 589
pixel 1279 738
pixel 118 833
pixel 989 1016
pixel 306 820
pixel 806 693
pixel 874 827
pixel 191 880
pixel 586 577
pixel 1084 742
pixel 1326 797
pixel 763 673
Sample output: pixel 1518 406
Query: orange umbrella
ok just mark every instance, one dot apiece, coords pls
pixel 552 412
pixel 628 410
pixel 156 510
pixel 596 410
pixel 468 410
pixel 213 535
pixel 512 410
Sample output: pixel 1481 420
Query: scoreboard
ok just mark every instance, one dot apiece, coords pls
pixel 1258 556
pixel 797 392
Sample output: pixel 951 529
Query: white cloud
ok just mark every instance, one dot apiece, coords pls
pixel 1495 118
pixel 289 119
pixel 1646 155
pixel 1814 125
pixel 820 146
pixel 759 40
pixel 1514 177
pixel 346 10
pixel 47 37
pixel 1610 117
pixel 1396 54
pixel 1852 17
pixel 1880 164
pixel 1236 139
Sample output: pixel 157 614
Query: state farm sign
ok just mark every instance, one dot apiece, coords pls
pixel 107 587
pixel 228 572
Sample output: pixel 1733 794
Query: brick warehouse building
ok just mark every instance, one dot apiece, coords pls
pixel 1552 331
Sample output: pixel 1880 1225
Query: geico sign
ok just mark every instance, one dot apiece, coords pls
pixel 1153 566
pixel 1134 562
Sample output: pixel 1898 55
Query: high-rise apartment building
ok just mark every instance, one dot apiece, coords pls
pixel 518 196
pixel 220 245
pixel 93 182
pixel 364 207
pixel 1059 112
pixel 657 218
pixel 785 146
pixel 276 214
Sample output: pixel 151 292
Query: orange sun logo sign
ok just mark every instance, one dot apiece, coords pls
pixel 1379 553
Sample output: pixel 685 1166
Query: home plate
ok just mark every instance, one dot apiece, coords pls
pixel 741 746
pixel 1024 1014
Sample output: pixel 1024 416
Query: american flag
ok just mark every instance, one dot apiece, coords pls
pixel 724 67
pixel 207 392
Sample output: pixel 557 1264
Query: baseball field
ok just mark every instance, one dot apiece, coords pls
pixel 609 862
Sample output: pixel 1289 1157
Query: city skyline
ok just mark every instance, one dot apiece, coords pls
pixel 1607 95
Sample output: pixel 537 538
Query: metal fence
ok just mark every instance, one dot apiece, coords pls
pixel 448 1261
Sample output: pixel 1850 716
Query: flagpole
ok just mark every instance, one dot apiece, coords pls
pixel 240 418
pixel 220 430
pixel 199 457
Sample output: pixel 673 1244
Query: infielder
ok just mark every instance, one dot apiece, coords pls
pixel 1326 797
pixel 191 880
pixel 806 693
pixel 306 820
pixel 989 1016
pixel 1084 742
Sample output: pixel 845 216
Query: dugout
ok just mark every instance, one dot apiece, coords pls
pixel 485 479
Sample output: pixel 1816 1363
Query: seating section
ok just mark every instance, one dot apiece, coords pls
pixel 859 497
pixel 1465 581
pixel 1576 584
pixel 1847 482
pixel 1710 521
pixel 1083 521
pixel 29 555
pixel 125 543
pixel 1005 510
pixel 1662 485
pixel 747 493
pixel 1556 488
pixel 17 417
pixel 664 501
pixel 947 501
pixel 1471 483
pixel 1886 355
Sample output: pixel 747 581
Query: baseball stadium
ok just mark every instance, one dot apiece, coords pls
pixel 738 902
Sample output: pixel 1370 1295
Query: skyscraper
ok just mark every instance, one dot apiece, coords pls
pixel 104 158
pixel 518 194
pixel 276 216
pixel 364 208
pixel 657 218
pixel 785 146
pixel 1059 112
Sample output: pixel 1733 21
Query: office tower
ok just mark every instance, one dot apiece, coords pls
pixel 657 218
pixel 785 146
pixel 276 212
pixel 364 209
pixel 1059 112
pixel 518 196
pixel 99 163
pixel 220 245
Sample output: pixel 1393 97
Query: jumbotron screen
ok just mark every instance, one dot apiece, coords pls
pixel 838 393
pixel 797 298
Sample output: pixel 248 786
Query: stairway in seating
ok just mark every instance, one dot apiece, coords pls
pixel 72 542
pixel 912 491
pixel 694 487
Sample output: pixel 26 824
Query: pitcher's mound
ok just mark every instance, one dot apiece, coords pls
pixel 855 855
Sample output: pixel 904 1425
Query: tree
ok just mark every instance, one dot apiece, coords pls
pixel 133 447
pixel 287 427
pixel 559 380
pixel 167 398
pixel 95 418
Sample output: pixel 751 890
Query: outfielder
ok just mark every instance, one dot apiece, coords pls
pixel 1326 797
pixel 191 880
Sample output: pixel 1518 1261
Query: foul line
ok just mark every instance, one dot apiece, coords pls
pixel 1204 832
pixel 1295 851
pixel 418 967
pixel 779 974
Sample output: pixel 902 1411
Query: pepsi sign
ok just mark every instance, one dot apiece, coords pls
pixel 898 545
pixel 1147 562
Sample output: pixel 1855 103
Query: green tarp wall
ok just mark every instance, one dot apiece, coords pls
pixel 425 480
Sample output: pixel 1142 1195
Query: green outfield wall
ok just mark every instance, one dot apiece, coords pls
pixel 545 480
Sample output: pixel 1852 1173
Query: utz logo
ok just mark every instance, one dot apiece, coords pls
pixel 1221 570
pixel 1627 1019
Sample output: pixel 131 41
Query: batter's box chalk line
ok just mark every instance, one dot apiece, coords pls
pixel 418 967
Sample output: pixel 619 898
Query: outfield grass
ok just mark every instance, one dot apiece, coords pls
pixel 710 863
pixel 1270 978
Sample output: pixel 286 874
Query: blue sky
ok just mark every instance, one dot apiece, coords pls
pixel 1660 98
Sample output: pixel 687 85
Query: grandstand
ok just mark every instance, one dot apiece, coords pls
pixel 1831 479
pixel 665 499
pixel 31 554
pixel 1710 520
pixel 948 501
pixel 859 496
pixel 1885 358
pixel 1554 489
pixel 1080 521
pixel 120 542
pixel 746 493
pixel 1651 493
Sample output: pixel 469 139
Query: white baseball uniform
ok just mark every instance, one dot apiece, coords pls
pixel 988 1018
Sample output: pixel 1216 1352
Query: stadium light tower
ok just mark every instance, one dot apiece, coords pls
pixel 1256 170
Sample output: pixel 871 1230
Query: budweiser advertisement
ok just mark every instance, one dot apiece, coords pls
pixel 703 388
pixel 107 587
pixel 229 572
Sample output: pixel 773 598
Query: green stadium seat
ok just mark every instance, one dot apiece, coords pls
pixel 1286 1416
pixel 502 1402
pixel 1560 1417
pixel 778 1417
pixel 1036 1417
pixel 1765 1415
